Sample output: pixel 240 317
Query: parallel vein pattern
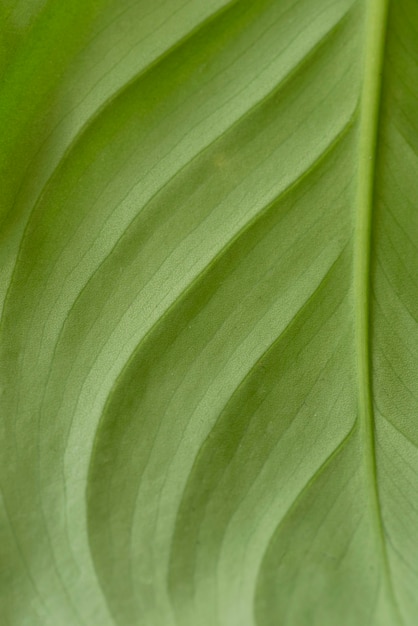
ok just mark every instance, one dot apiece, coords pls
pixel 209 322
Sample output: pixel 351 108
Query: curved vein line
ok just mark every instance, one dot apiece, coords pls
pixel 333 144
pixel 232 241
pixel 376 25
pixel 289 76
pixel 110 100
pixel 285 80
pixel 238 121
pixel 247 226
pixel 291 598
pixel 265 463
pixel 305 489
pixel 244 381
pixel 272 345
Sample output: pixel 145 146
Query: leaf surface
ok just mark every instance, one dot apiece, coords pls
pixel 209 289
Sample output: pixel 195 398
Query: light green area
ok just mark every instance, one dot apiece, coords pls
pixel 209 286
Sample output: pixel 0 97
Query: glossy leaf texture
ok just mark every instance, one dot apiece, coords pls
pixel 209 335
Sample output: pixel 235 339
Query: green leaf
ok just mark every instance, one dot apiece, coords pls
pixel 209 335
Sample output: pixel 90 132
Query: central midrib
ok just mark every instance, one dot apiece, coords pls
pixel 375 33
